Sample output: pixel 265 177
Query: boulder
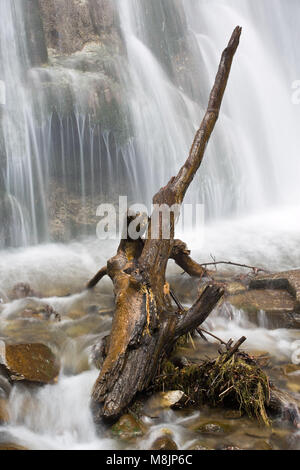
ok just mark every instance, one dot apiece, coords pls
pixel 288 281
pixel 278 306
pixel 29 362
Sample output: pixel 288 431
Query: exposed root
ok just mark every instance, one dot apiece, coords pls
pixel 236 383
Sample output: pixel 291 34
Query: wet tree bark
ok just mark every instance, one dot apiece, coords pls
pixel 146 323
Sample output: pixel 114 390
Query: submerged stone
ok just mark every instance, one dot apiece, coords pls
pixel 127 428
pixel 29 362
pixel 164 443
pixel 214 428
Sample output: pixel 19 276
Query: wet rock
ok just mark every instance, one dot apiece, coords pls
pixel 278 306
pixel 288 281
pixel 4 413
pixel 29 362
pixel 164 443
pixel 43 312
pixel 21 291
pixel 214 428
pixel 127 428
pixel 160 401
pixel 70 24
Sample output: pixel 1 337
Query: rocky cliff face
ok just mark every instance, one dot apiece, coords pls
pixel 71 24
pixel 74 54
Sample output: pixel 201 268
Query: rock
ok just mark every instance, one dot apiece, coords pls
pixel 164 443
pixel 21 291
pixel 278 306
pixel 288 281
pixel 43 312
pixel 70 24
pixel 213 428
pixel 163 400
pixel 4 413
pixel 127 428
pixel 37 50
pixel 29 362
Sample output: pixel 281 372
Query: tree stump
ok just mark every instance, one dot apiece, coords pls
pixel 146 323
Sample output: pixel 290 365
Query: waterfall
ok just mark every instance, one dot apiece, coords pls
pixel 70 138
pixel 22 178
pixel 246 168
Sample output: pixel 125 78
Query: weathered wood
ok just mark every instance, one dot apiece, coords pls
pixel 146 325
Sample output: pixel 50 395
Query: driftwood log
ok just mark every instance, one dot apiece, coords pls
pixel 146 322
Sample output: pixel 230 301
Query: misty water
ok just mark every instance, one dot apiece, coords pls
pixel 248 185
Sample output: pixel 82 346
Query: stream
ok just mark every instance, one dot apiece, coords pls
pixel 58 416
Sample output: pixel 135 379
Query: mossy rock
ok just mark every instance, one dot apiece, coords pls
pixel 127 428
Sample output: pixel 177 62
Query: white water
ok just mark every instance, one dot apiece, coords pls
pixel 249 181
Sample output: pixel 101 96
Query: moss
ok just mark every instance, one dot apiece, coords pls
pixel 237 383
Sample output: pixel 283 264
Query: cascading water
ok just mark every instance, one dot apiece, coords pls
pixel 172 52
pixel 79 128
pixel 22 180
pixel 252 137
